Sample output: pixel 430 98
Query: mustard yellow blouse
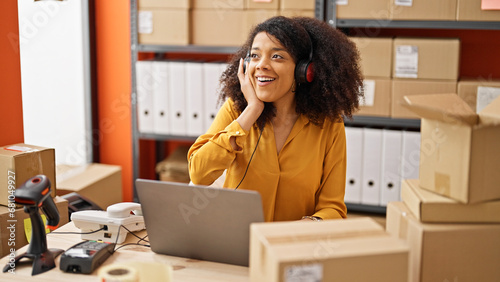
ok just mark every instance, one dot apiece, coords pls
pixel 307 177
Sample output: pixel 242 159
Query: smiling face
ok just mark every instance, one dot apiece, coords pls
pixel 271 69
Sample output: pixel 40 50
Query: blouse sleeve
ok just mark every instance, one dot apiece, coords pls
pixel 212 153
pixel 330 196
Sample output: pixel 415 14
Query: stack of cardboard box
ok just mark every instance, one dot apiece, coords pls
pixel 376 65
pixel 423 66
pixel 444 10
pixel 332 250
pixel 210 22
pixel 394 68
pixel 449 216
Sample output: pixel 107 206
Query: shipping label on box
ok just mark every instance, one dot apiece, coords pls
pixel 459 148
pixel 469 250
pixel 330 250
pixel 20 162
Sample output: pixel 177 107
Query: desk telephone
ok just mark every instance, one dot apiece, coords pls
pixel 109 222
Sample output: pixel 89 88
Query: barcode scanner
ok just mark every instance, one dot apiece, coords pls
pixel 35 193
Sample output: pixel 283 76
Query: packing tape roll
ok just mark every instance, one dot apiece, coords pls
pixel 118 273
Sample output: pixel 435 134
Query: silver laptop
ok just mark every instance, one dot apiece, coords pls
pixel 199 222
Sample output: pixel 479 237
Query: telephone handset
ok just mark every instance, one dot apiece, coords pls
pixel 110 223
pixel 124 209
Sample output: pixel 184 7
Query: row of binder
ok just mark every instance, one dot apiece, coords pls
pixel 377 162
pixel 177 97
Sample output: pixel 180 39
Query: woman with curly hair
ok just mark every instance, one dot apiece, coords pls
pixel 280 129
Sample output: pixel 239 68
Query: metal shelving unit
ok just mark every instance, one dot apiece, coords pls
pixel 136 48
pixel 383 122
pixel 325 10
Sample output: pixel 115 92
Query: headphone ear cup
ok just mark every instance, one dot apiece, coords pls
pixel 304 72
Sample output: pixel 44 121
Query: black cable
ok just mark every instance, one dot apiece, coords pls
pixel 130 244
pixel 248 165
pixel 140 239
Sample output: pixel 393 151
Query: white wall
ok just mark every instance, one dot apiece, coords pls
pixel 55 77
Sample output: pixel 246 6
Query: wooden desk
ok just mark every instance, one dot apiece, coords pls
pixel 184 269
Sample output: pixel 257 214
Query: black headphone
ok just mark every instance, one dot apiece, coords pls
pixel 304 69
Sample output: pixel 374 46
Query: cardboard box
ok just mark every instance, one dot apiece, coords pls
pixel 176 4
pixel 164 26
pixel 100 183
pixel 431 207
pixel 423 58
pixel 408 87
pixel 255 17
pixel 375 56
pixel 459 153
pixel 470 10
pixel 15 219
pixel 441 10
pixel 297 13
pixel 219 4
pixel 377 100
pixel 262 4
pixel 478 92
pixel 331 250
pixel 361 9
pixel 218 27
pixel 20 162
pixel 446 252
pixel 297 5
pixel 175 167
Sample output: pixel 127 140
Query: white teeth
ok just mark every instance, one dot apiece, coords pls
pixel 264 79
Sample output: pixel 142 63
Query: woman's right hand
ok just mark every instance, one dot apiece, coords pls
pixel 254 106
pixel 247 88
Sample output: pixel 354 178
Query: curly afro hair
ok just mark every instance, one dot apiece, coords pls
pixel 337 85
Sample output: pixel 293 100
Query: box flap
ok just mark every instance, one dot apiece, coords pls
pixel 443 107
pixel 490 115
